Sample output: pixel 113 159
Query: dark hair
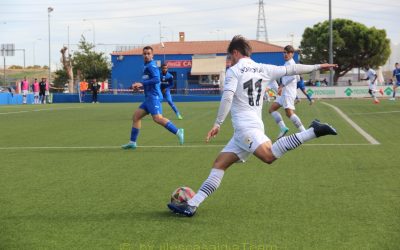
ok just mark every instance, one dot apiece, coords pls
pixel 396 63
pixel 148 47
pixel 289 48
pixel 164 65
pixel 240 44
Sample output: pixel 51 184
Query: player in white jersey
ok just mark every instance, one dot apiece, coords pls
pixel 245 82
pixel 288 97
pixel 372 77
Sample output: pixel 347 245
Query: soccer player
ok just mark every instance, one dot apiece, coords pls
pixel 167 82
pixel 372 76
pixel 286 100
pixel 300 85
pixel 152 104
pixel 35 86
pixel 25 89
pixel 42 87
pixel 244 83
pixel 396 83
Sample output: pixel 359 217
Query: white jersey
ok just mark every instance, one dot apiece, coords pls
pixel 371 76
pixel 290 82
pixel 248 81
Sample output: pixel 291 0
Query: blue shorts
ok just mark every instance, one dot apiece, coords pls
pixel 152 106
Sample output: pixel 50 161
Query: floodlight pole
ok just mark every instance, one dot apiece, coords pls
pixel 330 44
pixel 4 68
pixel 49 10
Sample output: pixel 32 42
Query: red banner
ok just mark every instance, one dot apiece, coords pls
pixel 179 63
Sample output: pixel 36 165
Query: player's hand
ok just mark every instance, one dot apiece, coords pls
pixel 212 133
pixel 164 91
pixel 137 85
pixel 328 66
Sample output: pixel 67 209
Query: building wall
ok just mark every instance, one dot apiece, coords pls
pixel 128 70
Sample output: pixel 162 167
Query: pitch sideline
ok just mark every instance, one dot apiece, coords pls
pixel 367 136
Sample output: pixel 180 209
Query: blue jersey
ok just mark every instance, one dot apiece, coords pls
pixel 167 81
pixel 151 81
pixel 396 73
pixel 300 85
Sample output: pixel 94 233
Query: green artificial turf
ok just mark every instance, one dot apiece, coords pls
pixel 66 184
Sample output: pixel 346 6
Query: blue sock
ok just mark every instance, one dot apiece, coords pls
pixel 134 134
pixel 173 107
pixel 308 97
pixel 171 127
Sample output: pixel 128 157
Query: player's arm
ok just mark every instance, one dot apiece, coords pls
pixel 154 76
pixel 226 103
pixel 276 72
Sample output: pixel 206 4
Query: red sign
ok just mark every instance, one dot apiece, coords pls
pixel 179 63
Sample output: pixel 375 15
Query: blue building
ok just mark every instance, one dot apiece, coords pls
pixel 196 65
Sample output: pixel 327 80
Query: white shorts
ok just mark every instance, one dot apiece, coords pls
pixel 24 92
pixel 372 87
pixel 47 92
pixel 245 143
pixel 35 93
pixel 287 102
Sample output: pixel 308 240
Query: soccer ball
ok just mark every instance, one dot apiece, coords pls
pixel 182 194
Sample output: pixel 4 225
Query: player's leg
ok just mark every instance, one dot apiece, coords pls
pixel 223 161
pixel 170 126
pixel 295 119
pixel 268 152
pixel 136 125
pixel 372 91
pixel 168 97
pixel 307 95
pixel 24 93
pixel 155 109
pixel 395 85
pixel 278 117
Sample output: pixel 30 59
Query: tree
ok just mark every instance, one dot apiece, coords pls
pixel 61 78
pixel 90 64
pixel 354 45
pixel 85 62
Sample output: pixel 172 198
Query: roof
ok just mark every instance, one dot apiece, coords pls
pixel 200 47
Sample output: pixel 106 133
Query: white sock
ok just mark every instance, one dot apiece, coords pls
pixel 284 144
pixel 297 122
pixel 278 119
pixel 208 187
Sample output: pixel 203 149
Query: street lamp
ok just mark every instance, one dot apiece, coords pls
pixel 49 10
pixel 94 31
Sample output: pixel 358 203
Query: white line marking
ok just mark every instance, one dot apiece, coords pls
pixel 367 136
pixel 158 146
pixel 38 110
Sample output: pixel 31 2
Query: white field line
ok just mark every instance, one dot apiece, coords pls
pixel 367 136
pixel 157 146
pixel 38 110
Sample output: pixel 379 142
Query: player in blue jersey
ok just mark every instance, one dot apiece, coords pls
pixel 152 104
pixel 167 82
pixel 300 85
pixel 396 83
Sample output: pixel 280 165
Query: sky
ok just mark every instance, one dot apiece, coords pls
pixel 133 22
